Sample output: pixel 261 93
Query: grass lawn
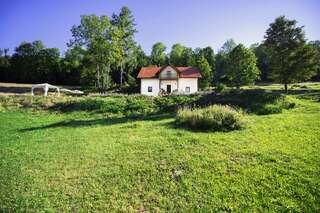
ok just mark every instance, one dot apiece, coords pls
pixel 82 161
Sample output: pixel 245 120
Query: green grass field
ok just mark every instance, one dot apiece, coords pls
pixel 83 161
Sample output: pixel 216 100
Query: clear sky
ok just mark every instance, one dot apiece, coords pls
pixel 194 23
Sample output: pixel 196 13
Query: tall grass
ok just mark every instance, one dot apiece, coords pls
pixel 214 118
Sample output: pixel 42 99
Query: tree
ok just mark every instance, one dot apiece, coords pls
pixel 176 55
pixel 4 65
pixel 208 54
pixel 125 24
pixel 260 50
pixel 188 57
pixel 95 35
pixel 242 69
pixel 48 65
pixel 158 55
pixel 34 63
pixel 316 46
pixel 140 60
pixel 291 60
pixel 73 66
pixel 206 72
pixel 228 46
pixel 221 60
pixel 220 67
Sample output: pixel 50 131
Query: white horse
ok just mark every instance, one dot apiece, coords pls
pixel 46 88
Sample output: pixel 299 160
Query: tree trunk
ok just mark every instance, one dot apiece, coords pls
pixel 98 77
pixel 121 74
pixel 286 87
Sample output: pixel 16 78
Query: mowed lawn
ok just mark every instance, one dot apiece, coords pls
pixel 86 162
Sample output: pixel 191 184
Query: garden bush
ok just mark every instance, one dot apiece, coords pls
pixel 214 118
pixel 220 87
pixel 284 102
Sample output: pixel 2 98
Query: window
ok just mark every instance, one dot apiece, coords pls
pixel 187 89
pixel 149 89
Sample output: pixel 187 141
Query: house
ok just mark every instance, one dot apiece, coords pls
pixel 169 79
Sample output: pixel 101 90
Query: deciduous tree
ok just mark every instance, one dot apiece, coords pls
pixel 176 55
pixel 291 60
pixel 206 72
pixel 242 69
pixel 158 55
pixel 95 35
pixel 124 38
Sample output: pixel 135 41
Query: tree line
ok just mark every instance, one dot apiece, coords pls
pixel 103 54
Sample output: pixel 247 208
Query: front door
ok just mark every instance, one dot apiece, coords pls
pixel 168 88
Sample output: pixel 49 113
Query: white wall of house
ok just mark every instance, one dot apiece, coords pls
pixel 192 83
pixel 173 83
pixel 149 82
pixel 180 84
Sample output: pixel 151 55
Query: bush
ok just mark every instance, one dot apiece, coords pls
pixel 220 87
pixel 214 118
pixel 284 102
pixel 267 109
pixel 288 102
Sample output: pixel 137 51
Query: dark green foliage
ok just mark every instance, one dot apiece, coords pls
pixel 277 107
pixel 158 55
pixel 208 54
pixel 291 60
pixel 220 87
pixel 252 101
pixel 122 105
pixel 316 46
pixel 176 55
pixel 33 63
pixel 261 53
pixel 4 65
pixel 126 57
pixel 206 72
pixel 221 61
pixel 221 64
pixel 213 118
pixel 189 57
pixel 242 68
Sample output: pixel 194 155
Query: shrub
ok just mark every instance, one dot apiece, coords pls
pixel 139 105
pixel 284 102
pixel 214 118
pixel 267 109
pixel 220 87
pixel 288 102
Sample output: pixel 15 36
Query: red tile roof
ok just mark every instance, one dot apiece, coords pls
pixel 184 72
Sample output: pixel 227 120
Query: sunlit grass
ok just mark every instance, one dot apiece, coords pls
pixel 82 161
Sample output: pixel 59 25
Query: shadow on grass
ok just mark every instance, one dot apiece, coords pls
pixel 178 126
pixel 94 122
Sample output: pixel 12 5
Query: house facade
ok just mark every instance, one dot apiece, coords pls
pixel 169 79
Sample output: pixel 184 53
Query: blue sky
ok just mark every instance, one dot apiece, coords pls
pixel 194 23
